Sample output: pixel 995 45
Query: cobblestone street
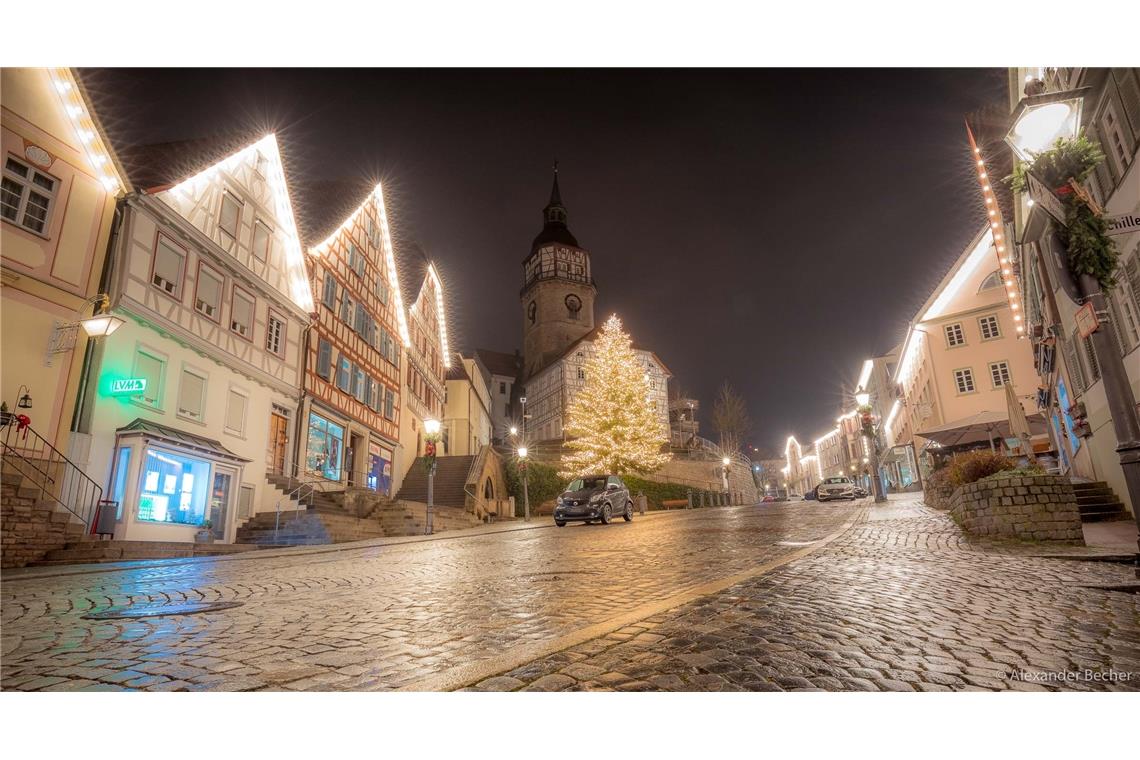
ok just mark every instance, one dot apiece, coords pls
pixel 897 599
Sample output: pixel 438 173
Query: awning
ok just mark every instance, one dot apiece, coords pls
pixel 980 428
pixel 179 439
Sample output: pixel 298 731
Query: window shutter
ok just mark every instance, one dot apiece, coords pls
pixel 235 412
pixel 1132 276
pixel 209 292
pixel 231 212
pixel 1094 365
pixel 1129 84
pixel 1076 372
pixel 1114 325
pixel 260 241
pixel 241 314
pixel 167 265
pixel 324 358
pixel 190 395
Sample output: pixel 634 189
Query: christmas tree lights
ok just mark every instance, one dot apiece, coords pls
pixel 612 423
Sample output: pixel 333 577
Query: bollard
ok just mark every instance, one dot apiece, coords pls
pixel 690 499
pixel 641 502
pixel 702 498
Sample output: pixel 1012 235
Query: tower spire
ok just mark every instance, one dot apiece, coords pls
pixel 555 195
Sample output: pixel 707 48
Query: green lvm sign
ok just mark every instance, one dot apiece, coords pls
pixel 128 386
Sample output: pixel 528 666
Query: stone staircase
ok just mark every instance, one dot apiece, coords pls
pixel 30 527
pixel 91 549
pixel 409 518
pixel 305 527
pixel 1099 503
pixel 450 478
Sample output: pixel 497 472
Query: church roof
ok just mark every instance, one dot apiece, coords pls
pixel 554 229
pixel 498 363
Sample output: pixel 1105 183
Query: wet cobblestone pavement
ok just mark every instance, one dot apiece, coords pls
pixel 899 600
pixel 903 601
pixel 381 617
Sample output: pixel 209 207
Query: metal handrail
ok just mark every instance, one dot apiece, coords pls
pixel 74 490
pixel 294 495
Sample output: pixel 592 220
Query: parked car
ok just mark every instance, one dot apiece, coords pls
pixel 769 497
pixel 811 495
pixel 836 488
pixel 860 492
pixel 595 497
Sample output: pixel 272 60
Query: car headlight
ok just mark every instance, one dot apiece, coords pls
pixel 559 501
pixel 596 499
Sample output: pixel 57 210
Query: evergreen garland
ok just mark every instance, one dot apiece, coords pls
pixel 1085 233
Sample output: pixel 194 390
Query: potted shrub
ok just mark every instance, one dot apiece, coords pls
pixel 203 536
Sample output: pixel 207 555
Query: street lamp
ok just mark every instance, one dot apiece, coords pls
pixel 431 428
pixel 1040 120
pixel 522 451
pixel 863 400
pixel 514 430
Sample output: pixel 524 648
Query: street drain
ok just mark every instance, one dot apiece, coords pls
pixel 554 575
pixel 159 610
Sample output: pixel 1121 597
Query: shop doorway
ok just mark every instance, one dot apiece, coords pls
pixel 354 458
pixel 278 442
pixel 220 495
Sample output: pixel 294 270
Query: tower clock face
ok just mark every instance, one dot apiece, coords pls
pixel 531 311
pixel 573 303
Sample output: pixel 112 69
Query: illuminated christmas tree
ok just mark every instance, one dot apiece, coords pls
pixel 612 423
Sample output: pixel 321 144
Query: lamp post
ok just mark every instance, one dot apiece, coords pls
pixel 431 428
pixel 522 452
pixel 1038 122
pixel 725 461
pixel 863 400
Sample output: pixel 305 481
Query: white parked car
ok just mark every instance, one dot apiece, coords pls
pixel 836 488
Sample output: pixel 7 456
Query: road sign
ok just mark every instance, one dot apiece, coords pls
pixel 1123 224
pixel 1087 322
pixel 1042 196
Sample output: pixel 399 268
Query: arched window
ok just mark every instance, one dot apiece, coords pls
pixel 993 280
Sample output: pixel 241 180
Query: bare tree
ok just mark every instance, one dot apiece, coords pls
pixel 730 419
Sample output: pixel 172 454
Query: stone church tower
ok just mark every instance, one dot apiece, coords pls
pixel 558 289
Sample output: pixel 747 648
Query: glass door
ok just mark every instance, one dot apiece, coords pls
pixel 220 501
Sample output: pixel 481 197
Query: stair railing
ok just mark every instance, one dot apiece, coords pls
pixel 471 484
pixel 57 477
pixel 298 495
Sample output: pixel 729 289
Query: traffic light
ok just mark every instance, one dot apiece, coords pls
pixel 1081 425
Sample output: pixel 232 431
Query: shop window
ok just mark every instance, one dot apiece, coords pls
pixel 27 196
pixel 241 313
pixel 235 412
pixel 152 368
pixel 208 293
pixel 231 215
pixel 325 446
pixel 380 469
pixel 261 238
pixel 169 266
pixel 174 488
pixel 191 394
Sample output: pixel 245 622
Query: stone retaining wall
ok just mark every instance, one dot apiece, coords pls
pixel 1034 507
pixel 939 497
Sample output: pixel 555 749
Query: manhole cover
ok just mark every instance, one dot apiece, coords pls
pixel 160 610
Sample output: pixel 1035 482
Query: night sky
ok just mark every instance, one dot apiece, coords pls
pixel 771 228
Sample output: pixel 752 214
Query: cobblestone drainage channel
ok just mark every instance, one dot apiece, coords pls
pixel 1127 588
pixel 159 610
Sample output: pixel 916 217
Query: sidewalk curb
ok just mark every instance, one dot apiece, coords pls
pixel 461 676
pixel 14 575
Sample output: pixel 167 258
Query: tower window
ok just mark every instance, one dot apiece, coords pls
pixel 531 311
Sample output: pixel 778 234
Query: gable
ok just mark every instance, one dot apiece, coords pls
pixel 237 203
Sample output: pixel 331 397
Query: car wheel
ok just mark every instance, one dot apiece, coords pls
pixel 607 515
pixel 628 511
pixel 560 523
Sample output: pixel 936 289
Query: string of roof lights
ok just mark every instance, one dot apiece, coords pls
pixel 76 109
pixel 997 232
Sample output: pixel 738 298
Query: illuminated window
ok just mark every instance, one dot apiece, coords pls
pixel 989 327
pixel 999 373
pixel 964 379
pixel 27 196
pixel 954 335
pixel 325 444
pixel 174 488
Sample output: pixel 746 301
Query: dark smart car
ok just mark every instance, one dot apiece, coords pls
pixel 595 497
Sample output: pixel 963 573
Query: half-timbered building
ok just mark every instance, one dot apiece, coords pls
pixel 197 395
pixel 353 357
